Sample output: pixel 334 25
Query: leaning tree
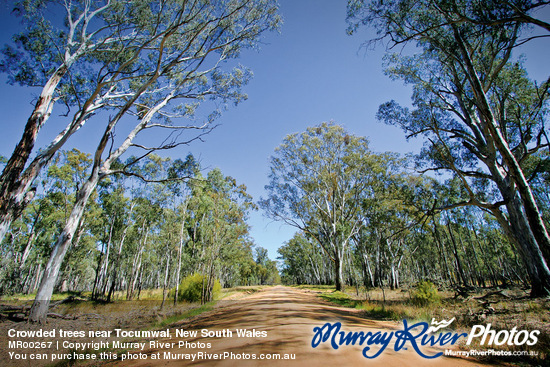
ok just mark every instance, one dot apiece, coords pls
pixel 159 88
pixel 484 121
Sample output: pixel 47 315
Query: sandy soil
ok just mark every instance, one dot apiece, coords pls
pixel 288 316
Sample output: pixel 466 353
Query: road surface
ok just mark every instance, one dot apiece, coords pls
pixel 283 319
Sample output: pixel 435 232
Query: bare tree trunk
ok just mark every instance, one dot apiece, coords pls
pixel 446 271
pixel 479 273
pixel 116 265
pixel 369 277
pixel 37 278
pixel 519 232
pixel 29 244
pixel 338 272
pixel 165 283
pixel 39 309
pixel 533 259
pixel 26 281
pixel 180 250
pixel 102 263
pixel 459 267
pixel 136 265
pixel 315 270
pixel 10 199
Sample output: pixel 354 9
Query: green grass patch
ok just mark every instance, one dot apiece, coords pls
pixel 370 309
pixel 328 287
pixel 377 311
pixel 339 298
pixel 32 296
pixel 393 309
pixel 187 314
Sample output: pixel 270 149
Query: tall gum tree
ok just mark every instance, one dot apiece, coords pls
pixel 57 60
pixel 180 68
pixel 484 120
pixel 97 58
pixel 317 181
pixel 219 208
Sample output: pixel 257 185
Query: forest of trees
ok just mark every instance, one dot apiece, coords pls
pixel 484 221
pixel 159 71
pixel 471 209
pixel 136 235
pixel 386 235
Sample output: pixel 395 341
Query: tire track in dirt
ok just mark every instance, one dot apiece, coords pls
pixel 288 316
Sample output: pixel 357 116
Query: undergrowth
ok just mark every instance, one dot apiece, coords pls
pixel 502 310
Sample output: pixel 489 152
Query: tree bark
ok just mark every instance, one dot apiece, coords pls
pixel 117 260
pixel 446 272
pixel 517 229
pixel 367 272
pixel 459 268
pixel 39 309
pixel 165 283
pixel 180 250
pixel 530 208
pixel 10 199
pixel 533 258
pixel 102 263
pixel 338 272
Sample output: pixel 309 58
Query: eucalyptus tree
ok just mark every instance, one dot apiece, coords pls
pixel 317 182
pixel 390 215
pixel 180 193
pixel 113 222
pixel 237 266
pixel 109 54
pixel 303 262
pixel 484 120
pixel 180 67
pixel 58 57
pixel 38 226
pixel 266 269
pixel 217 221
pixel 141 250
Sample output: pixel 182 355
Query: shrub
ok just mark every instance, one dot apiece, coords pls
pixel 425 293
pixel 190 288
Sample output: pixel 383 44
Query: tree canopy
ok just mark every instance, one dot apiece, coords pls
pixel 482 118
pixel 151 61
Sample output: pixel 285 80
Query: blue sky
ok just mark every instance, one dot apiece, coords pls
pixel 309 73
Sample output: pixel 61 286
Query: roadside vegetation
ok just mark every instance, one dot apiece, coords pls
pixel 129 236
pixel 498 307
pixel 76 311
pixel 125 217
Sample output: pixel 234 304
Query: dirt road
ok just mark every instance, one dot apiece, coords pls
pixel 287 316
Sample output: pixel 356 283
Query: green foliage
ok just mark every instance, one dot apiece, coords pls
pixel 425 293
pixel 191 288
pixel 339 298
pixel 303 262
pixel 476 107
pixel 188 314
pixel 317 182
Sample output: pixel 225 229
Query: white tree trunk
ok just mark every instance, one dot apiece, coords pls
pixel 39 309
pixel 180 249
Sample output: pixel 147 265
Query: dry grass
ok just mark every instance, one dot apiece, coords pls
pixel 502 309
pixel 85 315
